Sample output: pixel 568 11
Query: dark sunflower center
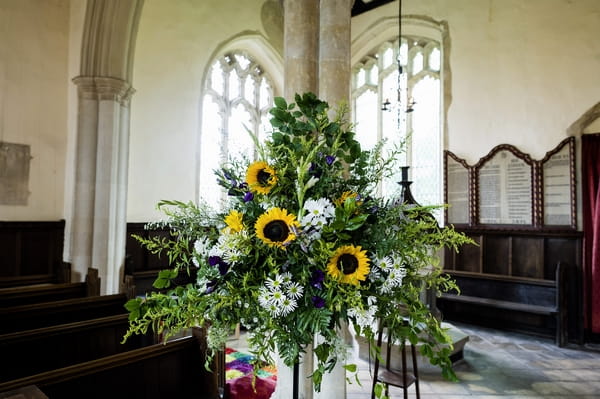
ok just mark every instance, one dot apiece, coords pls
pixel 276 231
pixel 347 263
pixel 263 177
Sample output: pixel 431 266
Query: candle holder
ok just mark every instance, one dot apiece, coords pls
pixel 406 196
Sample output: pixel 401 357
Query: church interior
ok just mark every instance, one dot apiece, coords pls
pixel 108 107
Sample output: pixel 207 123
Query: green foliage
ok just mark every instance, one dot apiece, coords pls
pixel 278 275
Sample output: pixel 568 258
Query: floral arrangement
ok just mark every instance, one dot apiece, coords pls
pixel 304 244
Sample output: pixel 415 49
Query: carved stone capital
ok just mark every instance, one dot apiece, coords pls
pixel 104 88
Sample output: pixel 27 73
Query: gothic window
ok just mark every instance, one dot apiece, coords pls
pixel 237 98
pixel 383 108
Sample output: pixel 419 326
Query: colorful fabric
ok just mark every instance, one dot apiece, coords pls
pixel 238 375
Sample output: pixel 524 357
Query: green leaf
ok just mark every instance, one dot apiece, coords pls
pixel 350 367
pixel 280 102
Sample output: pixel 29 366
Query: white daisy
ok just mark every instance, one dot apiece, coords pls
pixel 277 297
pixel 294 290
pixel 202 246
pixel 276 283
pixel 318 212
pixel 286 278
pixel 274 310
pixel 385 264
pixel 287 306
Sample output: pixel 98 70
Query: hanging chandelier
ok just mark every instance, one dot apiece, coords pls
pixel 387 105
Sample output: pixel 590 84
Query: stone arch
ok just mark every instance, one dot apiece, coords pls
pixel 591 117
pixel 97 226
pixel 109 34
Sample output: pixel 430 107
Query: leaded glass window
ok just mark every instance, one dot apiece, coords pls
pixel 382 109
pixel 237 98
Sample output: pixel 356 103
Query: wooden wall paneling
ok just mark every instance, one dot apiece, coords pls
pixel 496 255
pixel 30 252
pixel 528 257
pixel 469 258
pixel 10 254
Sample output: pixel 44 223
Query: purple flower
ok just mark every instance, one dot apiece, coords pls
pixel 314 170
pixel 223 268
pixel 318 302
pixel 248 196
pixel 329 159
pixel 316 280
pixel 210 286
pixel 214 260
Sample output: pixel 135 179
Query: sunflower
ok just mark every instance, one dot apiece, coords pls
pixel 274 227
pixel 234 221
pixel 349 264
pixel 261 177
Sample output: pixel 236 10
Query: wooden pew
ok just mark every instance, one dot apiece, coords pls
pixel 46 314
pixel 171 370
pixel 531 305
pixel 142 267
pixel 31 253
pixel 30 294
pixel 64 345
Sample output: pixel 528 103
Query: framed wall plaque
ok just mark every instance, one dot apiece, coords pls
pixel 508 188
pixel 505 187
pixel 458 190
pixel 558 175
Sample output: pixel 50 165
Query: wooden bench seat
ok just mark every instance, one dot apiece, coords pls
pixel 64 345
pixel 30 294
pixel 27 317
pixel 171 370
pixel 529 304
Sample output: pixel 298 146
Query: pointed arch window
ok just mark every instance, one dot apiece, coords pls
pixel 381 111
pixel 237 97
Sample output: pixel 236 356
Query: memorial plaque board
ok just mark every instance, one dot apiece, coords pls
pixel 457 191
pixel 505 190
pixel 508 187
pixel 557 188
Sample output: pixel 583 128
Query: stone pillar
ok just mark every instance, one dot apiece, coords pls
pixel 300 47
pixel 99 214
pixel 301 57
pixel 334 87
pixel 334 51
pixel 84 187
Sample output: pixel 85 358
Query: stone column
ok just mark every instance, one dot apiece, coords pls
pixel 334 87
pixel 301 57
pixel 334 51
pixel 300 47
pixel 99 215
pixel 84 187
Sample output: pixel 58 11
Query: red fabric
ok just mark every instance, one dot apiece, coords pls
pixel 241 388
pixel 590 165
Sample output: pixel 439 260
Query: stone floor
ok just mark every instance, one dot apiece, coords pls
pixel 501 365
pixel 505 365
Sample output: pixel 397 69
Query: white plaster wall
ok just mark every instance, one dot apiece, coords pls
pixel 76 21
pixel 174 44
pixel 522 71
pixel 33 98
pixel 593 127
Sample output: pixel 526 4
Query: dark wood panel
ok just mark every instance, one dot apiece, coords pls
pixel 29 294
pixel 27 317
pixel 174 370
pixel 528 257
pixel 30 250
pixel 469 257
pixel 64 345
pixel 496 251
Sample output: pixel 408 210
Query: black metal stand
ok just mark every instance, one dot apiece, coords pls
pixel 295 381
